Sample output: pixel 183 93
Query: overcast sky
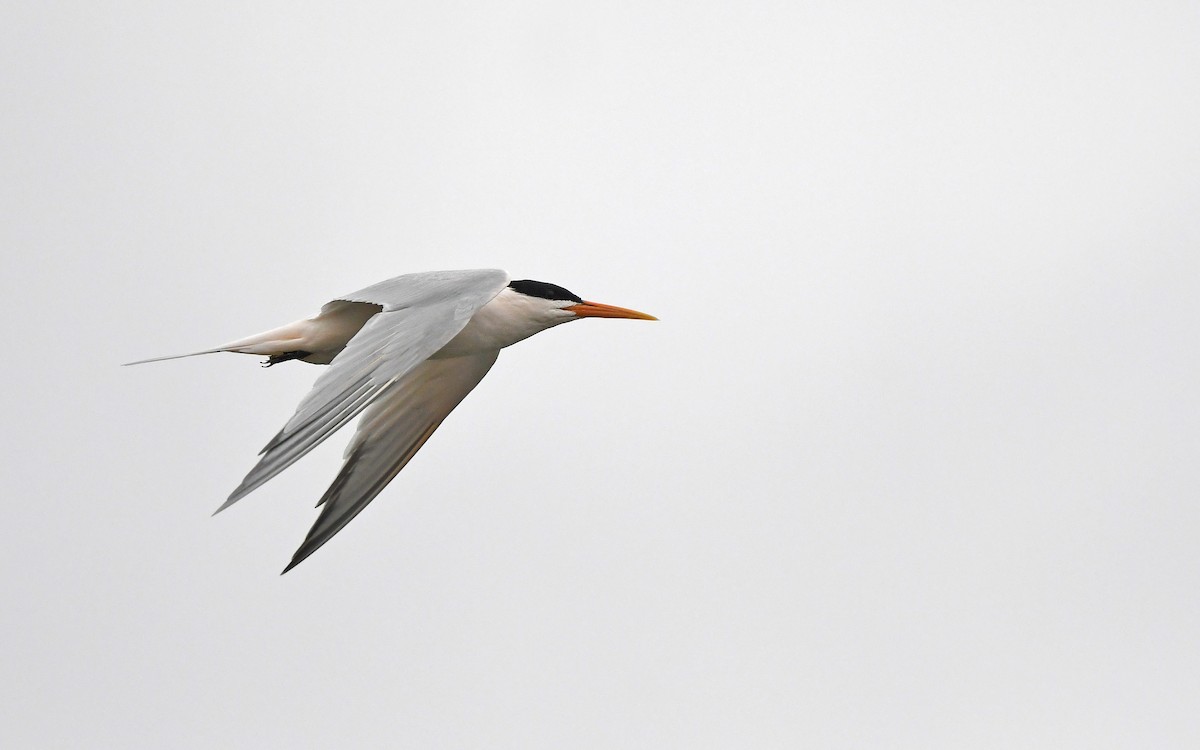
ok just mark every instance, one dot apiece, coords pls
pixel 910 460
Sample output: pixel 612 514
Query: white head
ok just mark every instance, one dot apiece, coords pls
pixel 527 307
pixel 560 305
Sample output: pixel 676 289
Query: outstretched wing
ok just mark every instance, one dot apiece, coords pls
pixel 391 431
pixel 421 313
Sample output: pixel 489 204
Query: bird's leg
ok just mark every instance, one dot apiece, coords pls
pixel 275 359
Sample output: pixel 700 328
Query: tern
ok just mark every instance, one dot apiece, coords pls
pixel 404 352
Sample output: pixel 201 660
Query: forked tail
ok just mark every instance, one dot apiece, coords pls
pixel 272 343
pixel 173 356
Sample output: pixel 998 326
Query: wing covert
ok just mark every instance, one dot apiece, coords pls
pixel 421 313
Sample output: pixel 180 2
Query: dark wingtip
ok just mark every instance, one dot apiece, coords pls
pixel 301 554
pixel 273 442
pixel 236 495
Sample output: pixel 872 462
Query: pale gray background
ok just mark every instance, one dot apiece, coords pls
pixel 910 461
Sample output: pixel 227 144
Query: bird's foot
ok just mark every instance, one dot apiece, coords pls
pixel 275 359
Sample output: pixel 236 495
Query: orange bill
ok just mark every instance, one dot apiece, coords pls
pixel 587 309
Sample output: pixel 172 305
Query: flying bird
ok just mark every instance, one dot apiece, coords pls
pixel 404 352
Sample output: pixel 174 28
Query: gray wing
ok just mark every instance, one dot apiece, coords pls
pixel 391 431
pixel 421 313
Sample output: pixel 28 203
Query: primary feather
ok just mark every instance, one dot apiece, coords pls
pixel 421 313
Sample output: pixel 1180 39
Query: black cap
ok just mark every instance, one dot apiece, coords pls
pixel 541 289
